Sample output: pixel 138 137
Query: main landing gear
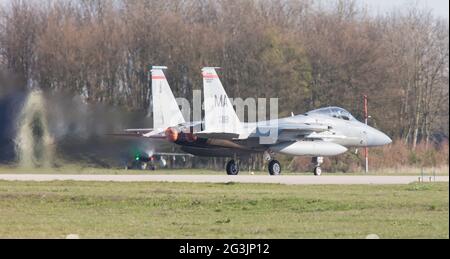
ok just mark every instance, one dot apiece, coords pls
pixel 274 165
pixel 317 162
pixel 232 168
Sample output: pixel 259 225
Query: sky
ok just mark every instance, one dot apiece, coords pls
pixel 438 7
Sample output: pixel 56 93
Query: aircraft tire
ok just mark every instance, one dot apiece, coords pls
pixel 317 171
pixel 274 167
pixel 232 168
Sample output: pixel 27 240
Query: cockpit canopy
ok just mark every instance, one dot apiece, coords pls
pixel 334 112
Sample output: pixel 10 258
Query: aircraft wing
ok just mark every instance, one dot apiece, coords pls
pixel 297 129
pixel 284 131
pixel 302 128
pixel 141 133
pixel 173 154
pixel 262 130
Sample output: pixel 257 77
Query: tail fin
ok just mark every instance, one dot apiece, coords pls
pixel 220 116
pixel 166 112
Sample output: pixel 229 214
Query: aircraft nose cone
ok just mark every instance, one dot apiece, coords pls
pixel 387 139
pixel 378 138
pixel 382 139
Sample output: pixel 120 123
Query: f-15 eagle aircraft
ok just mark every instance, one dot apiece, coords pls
pixel 320 133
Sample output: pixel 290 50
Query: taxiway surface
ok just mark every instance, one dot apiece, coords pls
pixel 288 179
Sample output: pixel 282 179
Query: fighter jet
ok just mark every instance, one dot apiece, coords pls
pixel 319 133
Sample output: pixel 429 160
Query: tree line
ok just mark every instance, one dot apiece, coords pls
pixel 308 54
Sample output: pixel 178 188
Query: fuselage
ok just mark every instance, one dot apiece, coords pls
pixel 342 130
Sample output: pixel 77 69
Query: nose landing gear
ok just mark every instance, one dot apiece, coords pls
pixel 317 161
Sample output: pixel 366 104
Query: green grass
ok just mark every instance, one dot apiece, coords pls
pixel 182 210
pixel 77 169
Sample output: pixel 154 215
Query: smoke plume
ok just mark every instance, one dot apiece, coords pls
pixel 34 144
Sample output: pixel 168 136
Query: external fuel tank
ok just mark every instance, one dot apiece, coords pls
pixel 309 148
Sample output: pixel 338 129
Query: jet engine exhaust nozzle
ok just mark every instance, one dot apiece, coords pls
pixel 172 134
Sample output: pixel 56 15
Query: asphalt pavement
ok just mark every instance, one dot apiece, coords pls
pixel 287 179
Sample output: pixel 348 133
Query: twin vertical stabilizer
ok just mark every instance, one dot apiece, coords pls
pixel 166 112
pixel 220 116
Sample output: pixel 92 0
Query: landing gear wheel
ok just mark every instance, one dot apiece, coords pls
pixel 232 168
pixel 317 171
pixel 274 167
pixel 317 162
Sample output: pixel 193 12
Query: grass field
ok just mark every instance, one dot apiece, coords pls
pixel 76 169
pixel 182 210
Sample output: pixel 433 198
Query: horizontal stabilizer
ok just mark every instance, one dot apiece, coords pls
pixel 138 131
pixel 125 135
pixel 141 133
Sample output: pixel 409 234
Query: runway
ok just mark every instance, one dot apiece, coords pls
pixel 256 179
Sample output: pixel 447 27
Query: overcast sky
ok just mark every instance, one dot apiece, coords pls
pixel 438 7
